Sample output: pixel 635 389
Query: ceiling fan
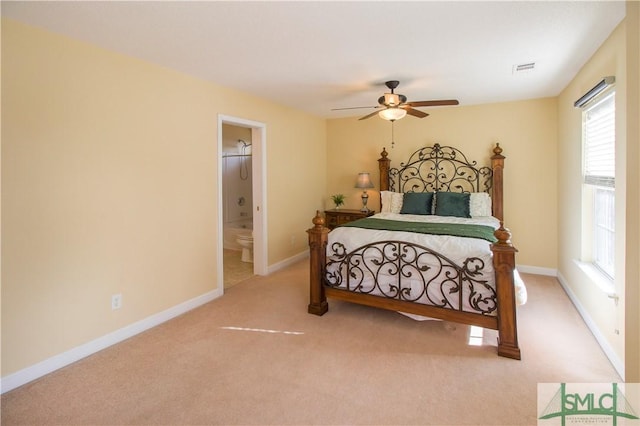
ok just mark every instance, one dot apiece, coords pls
pixel 393 106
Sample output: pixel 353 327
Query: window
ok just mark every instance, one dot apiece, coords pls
pixel 598 124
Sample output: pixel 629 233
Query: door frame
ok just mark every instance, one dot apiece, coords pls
pixel 259 193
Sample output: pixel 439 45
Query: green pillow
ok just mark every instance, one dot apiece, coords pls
pixel 452 204
pixel 417 203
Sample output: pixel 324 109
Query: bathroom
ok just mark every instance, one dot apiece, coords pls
pixel 237 198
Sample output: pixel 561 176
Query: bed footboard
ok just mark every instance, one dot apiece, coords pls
pixel 504 266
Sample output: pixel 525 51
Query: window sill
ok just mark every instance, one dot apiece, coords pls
pixel 603 282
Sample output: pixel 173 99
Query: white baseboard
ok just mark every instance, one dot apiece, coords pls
pixel 537 270
pixel 56 362
pixel 287 262
pixel 602 341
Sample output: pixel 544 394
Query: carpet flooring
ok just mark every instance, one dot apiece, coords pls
pixel 256 357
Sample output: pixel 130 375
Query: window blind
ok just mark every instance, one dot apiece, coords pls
pixel 599 139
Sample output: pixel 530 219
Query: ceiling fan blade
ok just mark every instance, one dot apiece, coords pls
pixel 368 115
pixel 415 112
pixel 434 103
pixel 360 107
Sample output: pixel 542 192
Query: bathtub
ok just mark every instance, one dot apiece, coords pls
pixel 232 229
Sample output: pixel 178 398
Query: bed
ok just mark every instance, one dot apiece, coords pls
pixel 425 254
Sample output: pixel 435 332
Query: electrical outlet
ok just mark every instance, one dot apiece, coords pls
pixel 116 301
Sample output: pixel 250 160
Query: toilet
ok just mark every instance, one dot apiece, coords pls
pixel 246 242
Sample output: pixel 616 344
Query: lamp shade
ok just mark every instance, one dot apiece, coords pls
pixel 364 181
pixel 391 99
pixel 392 114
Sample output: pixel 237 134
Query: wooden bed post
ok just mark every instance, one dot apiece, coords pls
pixel 497 196
pixel 504 264
pixel 318 236
pixel 384 164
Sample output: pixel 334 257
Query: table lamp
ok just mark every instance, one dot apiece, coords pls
pixel 364 182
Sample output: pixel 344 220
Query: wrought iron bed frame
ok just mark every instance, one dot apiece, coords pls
pixel 428 169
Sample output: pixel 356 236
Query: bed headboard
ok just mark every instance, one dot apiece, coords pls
pixel 444 168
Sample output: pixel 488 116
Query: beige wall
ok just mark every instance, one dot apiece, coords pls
pixel 605 315
pixel 526 130
pixel 109 186
pixel 632 267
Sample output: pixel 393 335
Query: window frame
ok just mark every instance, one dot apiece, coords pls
pixel 598 252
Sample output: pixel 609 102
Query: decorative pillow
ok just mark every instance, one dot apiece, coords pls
pixel 452 204
pixel 397 199
pixel 480 204
pixel 385 201
pixel 391 201
pixel 417 203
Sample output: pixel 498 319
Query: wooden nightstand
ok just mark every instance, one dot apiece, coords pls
pixel 337 217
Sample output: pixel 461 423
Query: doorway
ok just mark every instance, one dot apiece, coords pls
pixel 241 198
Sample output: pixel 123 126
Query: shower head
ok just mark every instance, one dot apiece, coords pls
pixel 244 143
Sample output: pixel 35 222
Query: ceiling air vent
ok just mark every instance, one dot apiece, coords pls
pixel 524 68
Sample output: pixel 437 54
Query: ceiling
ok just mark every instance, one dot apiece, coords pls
pixel 320 55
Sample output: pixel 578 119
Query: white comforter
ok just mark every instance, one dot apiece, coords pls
pixel 457 249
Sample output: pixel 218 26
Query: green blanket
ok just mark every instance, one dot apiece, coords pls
pixel 455 229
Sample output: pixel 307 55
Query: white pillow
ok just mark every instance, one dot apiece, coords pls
pixel 396 202
pixel 385 201
pixel 391 201
pixel 479 204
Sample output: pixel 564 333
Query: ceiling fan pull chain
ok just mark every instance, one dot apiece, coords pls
pixel 392 138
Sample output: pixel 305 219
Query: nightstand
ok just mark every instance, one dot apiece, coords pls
pixel 336 217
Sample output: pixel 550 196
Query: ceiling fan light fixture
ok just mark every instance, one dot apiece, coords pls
pixel 392 114
pixel 391 99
